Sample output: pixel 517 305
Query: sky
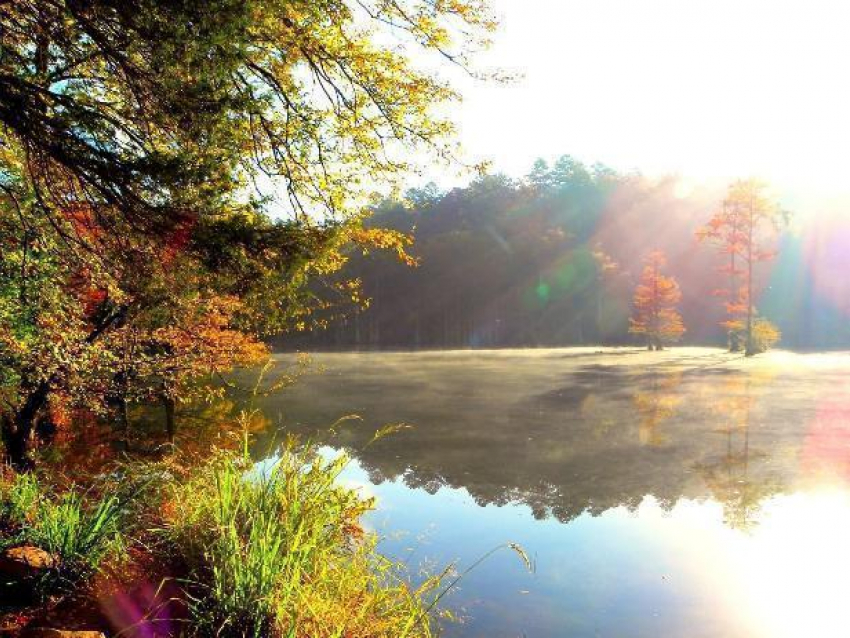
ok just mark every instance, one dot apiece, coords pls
pixel 706 90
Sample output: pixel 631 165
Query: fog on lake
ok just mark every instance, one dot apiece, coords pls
pixel 687 492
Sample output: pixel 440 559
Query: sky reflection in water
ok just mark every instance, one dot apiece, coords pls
pixel 683 495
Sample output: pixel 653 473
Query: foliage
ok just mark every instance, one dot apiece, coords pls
pixel 278 550
pixel 19 499
pixel 142 249
pixel 499 262
pixel 656 296
pixel 308 91
pixel 157 359
pixel 738 230
pixel 765 335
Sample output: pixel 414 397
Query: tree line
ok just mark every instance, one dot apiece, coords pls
pixel 554 259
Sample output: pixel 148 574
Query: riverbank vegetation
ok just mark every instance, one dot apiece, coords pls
pixel 157 225
pixel 224 547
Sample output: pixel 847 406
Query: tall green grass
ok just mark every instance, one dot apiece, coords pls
pixel 279 551
pixel 19 499
pixel 82 535
pixel 274 549
pixel 80 531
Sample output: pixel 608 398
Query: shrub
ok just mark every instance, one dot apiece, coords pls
pixel 765 335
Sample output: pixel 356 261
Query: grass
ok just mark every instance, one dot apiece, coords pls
pixel 80 531
pixel 19 499
pixel 81 536
pixel 247 550
pixel 279 551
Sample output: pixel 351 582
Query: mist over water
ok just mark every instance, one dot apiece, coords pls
pixel 689 492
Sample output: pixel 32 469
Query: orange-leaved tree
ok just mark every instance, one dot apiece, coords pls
pixel 655 315
pixel 741 232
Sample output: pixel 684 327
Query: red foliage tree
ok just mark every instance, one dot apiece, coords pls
pixel 656 296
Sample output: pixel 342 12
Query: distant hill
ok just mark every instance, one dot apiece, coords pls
pixel 552 259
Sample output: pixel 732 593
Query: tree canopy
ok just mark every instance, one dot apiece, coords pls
pixel 158 158
pixel 552 258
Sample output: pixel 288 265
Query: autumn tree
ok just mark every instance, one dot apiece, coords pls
pixel 232 142
pixel 741 230
pixel 655 315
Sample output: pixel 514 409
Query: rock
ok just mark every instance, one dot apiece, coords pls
pixel 25 562
pixel 42 632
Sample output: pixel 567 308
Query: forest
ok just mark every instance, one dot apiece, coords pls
pixel 553 258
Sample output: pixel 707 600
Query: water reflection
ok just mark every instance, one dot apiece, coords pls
pixel 740 477
pixel 559 435
pixel 656 401
pixel 701 494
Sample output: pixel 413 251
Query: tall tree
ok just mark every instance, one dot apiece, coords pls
pixel 725 228
pixel 143 140
pixel 655 315
pixel 740 229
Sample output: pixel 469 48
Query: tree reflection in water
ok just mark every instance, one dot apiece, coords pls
pixel 732 481
pixel 567 432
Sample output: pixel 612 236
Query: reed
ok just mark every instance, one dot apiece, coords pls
pixel 278 550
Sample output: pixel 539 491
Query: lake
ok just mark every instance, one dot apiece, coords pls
pixel 682 493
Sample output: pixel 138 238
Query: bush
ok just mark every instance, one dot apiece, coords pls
pixel 765 335
pixel 278 551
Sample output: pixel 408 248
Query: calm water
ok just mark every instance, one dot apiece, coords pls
pixel 676 494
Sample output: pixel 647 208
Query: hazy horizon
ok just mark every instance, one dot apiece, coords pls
pixel 707 93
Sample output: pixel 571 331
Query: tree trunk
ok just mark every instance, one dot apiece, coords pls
pixel 750 349
pixel 734 341
pixel 734 292
pixel 170 426
pixel 124 414
pixel 16 443
pixel 18 429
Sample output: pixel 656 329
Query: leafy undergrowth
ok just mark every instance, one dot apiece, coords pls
pixel 239 550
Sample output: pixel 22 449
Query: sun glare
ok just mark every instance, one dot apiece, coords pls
pixel 784 578
pixel 707 90
pixel 794 568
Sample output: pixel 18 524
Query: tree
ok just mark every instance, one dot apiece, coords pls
pixel 739 231
pixel 540 177
pixel 141 149
pixel 655 300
